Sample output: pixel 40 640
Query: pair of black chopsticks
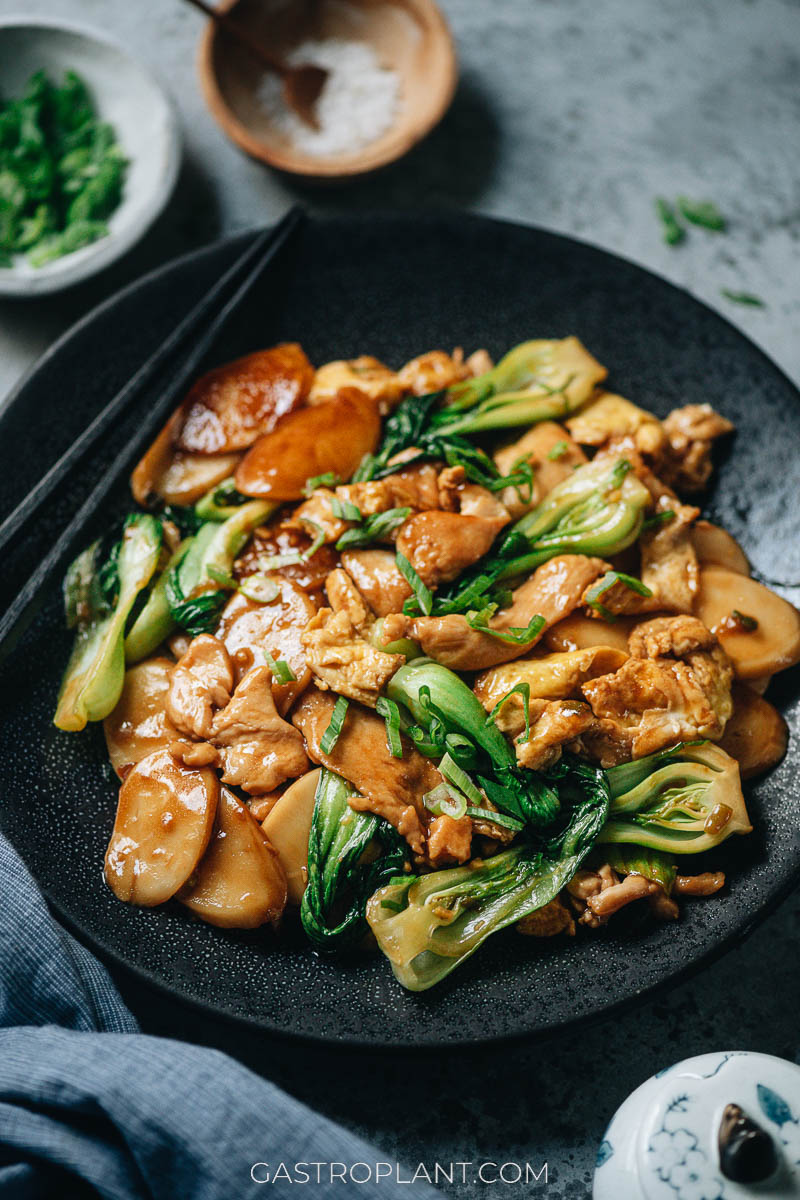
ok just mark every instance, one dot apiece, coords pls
pixel 178 357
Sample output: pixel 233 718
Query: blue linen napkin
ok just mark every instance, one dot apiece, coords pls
pixel 90 1106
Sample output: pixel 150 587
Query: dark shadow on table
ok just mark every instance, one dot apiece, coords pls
pixel 453 166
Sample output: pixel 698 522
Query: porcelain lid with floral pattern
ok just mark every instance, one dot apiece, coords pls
pixel 723 1126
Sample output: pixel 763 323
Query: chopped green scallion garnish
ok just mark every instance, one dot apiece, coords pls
pixel 701 212
pixel 423 593
pixel 391 714
pixel 743 298
pixel 331 734
pixel 672 229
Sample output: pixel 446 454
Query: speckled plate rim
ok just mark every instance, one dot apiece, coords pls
pixel 555 1030
pixel 774 897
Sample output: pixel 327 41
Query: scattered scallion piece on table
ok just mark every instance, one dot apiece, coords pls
pixel 701 212
pixel 673 231
pixel 743 298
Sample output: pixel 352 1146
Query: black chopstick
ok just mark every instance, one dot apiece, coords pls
pixel 22 610
pixel 192 323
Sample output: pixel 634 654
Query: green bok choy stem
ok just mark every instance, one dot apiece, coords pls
pixel 683 801
pixel 194 603
pixel 539 380
pixel 341 872
pixel 599 509
pixel 427 927
pixel 93 680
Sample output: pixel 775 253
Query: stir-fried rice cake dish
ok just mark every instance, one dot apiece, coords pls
pixel 413 656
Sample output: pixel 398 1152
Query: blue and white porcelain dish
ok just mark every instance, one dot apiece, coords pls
pixel 671 1139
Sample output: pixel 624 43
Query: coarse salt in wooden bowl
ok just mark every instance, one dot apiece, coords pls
pixel 409 38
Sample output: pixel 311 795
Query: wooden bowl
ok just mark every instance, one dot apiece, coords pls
pixel 410 37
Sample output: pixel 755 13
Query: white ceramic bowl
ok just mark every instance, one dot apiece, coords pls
pixel 129 98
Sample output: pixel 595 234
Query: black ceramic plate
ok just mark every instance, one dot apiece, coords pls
pixel 395 287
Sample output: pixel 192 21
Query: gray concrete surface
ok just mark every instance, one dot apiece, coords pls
pixel 571 114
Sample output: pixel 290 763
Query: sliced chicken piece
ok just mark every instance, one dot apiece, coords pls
pixel 139 724
pixel 616 599
pixel 623 447
pixel 612 416
pixel 682 692
pixel 691 431
pixel 458 495
pixel 756 734
pixel 553 590
pixel 194 754
pixel 415 487
pixel 239 882
pixel 432 372
pixel 344 596
pixel 317 510
pixel 478 363
pixel 249 631
pixel 548 921
pixel 549 677
pixel 342 660
pixel 553 722
pixel 390 787
pixel 610 900
pixel 258 749
pixel 669 560
pixel 333 436
pixel 449 840
pixel 674 637
pixel 231 406
pixel 201 683
pixel 163 825
pixel 366 374
pixel 440 545
pixel 376 575
pixel 178 643
pixel 554 455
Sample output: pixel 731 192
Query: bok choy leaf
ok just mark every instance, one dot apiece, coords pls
pixel 682 801
pixel 93 680
pixel 343 870
pixel 599 509
pixel 194 600
pixel 428 926
pixel 541 380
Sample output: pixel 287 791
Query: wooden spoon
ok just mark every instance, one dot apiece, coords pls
pixel 301 85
